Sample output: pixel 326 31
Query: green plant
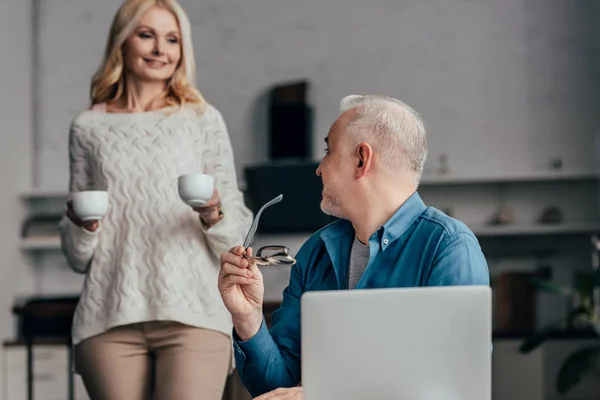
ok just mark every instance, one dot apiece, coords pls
pixel 584 361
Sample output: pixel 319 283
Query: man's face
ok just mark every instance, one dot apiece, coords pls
pixel 336 170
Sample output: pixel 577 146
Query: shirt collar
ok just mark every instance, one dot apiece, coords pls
pixel 394 228
pixel 402 219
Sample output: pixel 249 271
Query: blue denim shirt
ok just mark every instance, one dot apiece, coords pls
pixel 417 246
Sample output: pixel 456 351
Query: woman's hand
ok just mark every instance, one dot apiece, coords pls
pixel 87 225
pixel 211 213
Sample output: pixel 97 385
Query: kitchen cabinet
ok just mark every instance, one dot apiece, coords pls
pixel 517 376
pixel 50 374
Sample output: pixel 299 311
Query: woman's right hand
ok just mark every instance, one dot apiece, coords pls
pixel 242 289
pixel 87 225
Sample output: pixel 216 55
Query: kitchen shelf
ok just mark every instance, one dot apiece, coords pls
pixel 541 176
pixel 40 243
pixel 481 231
pixel 566 228
pixel 427 180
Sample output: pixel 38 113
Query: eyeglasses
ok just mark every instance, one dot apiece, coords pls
pixel 272 255
pixel 267 255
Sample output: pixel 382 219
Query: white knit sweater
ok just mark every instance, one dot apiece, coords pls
pixel 151 259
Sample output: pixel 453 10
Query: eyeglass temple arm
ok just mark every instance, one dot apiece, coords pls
pixel 283 250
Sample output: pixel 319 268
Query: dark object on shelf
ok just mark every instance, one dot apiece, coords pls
pixel 443 167
pixel 551 215
pixel 504 216
pixel 290 122
pixel 43 318
pixel 300 209
pixel 515 303
pixel 556 164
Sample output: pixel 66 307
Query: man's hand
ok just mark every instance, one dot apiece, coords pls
pixel 242 289
pixel 294 393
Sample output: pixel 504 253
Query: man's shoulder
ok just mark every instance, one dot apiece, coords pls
pixel 433 219
pixel 458 254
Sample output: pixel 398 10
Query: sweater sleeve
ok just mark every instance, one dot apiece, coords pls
pixel 78 244
pixel 219 163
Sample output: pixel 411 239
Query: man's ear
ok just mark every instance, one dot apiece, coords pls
pixel 365 159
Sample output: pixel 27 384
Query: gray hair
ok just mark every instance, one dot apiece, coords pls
pixel 398 131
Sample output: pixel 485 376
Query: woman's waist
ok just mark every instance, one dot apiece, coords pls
pixel 207 312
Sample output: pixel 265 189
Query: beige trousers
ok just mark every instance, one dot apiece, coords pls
pixel 154 360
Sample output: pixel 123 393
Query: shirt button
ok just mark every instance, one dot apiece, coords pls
pixel 385 241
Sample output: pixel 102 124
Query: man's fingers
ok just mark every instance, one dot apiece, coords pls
pixel 234 259
pixel 233 263
pixel 230 269
pixel 237 250
pixel 232 280
pixel 274 394
pixel 282 394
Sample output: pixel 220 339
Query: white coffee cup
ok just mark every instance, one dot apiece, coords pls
pixel 90 204
pixel 195 189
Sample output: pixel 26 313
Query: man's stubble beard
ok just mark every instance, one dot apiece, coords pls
pixel 330 206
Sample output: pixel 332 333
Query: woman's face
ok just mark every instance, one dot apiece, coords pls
pixel 153 51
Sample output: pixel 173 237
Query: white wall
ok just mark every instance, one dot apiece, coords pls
pixel 504 85
pixel 16 274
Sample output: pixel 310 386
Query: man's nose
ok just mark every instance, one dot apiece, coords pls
pixel 318 171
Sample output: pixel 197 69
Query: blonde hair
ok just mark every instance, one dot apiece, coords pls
pixel 108 84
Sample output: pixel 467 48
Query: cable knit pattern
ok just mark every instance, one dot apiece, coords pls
pixel 151 258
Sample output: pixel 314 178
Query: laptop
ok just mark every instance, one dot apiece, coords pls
pixel 425 343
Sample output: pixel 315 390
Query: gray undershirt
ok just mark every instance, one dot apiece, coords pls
pixel 359 258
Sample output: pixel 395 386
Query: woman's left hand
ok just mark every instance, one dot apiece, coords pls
pixel 210 213
pixel 294 393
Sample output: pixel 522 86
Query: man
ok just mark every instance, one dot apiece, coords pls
pixel 385 237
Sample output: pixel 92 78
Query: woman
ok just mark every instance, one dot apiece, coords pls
pixel 150 320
